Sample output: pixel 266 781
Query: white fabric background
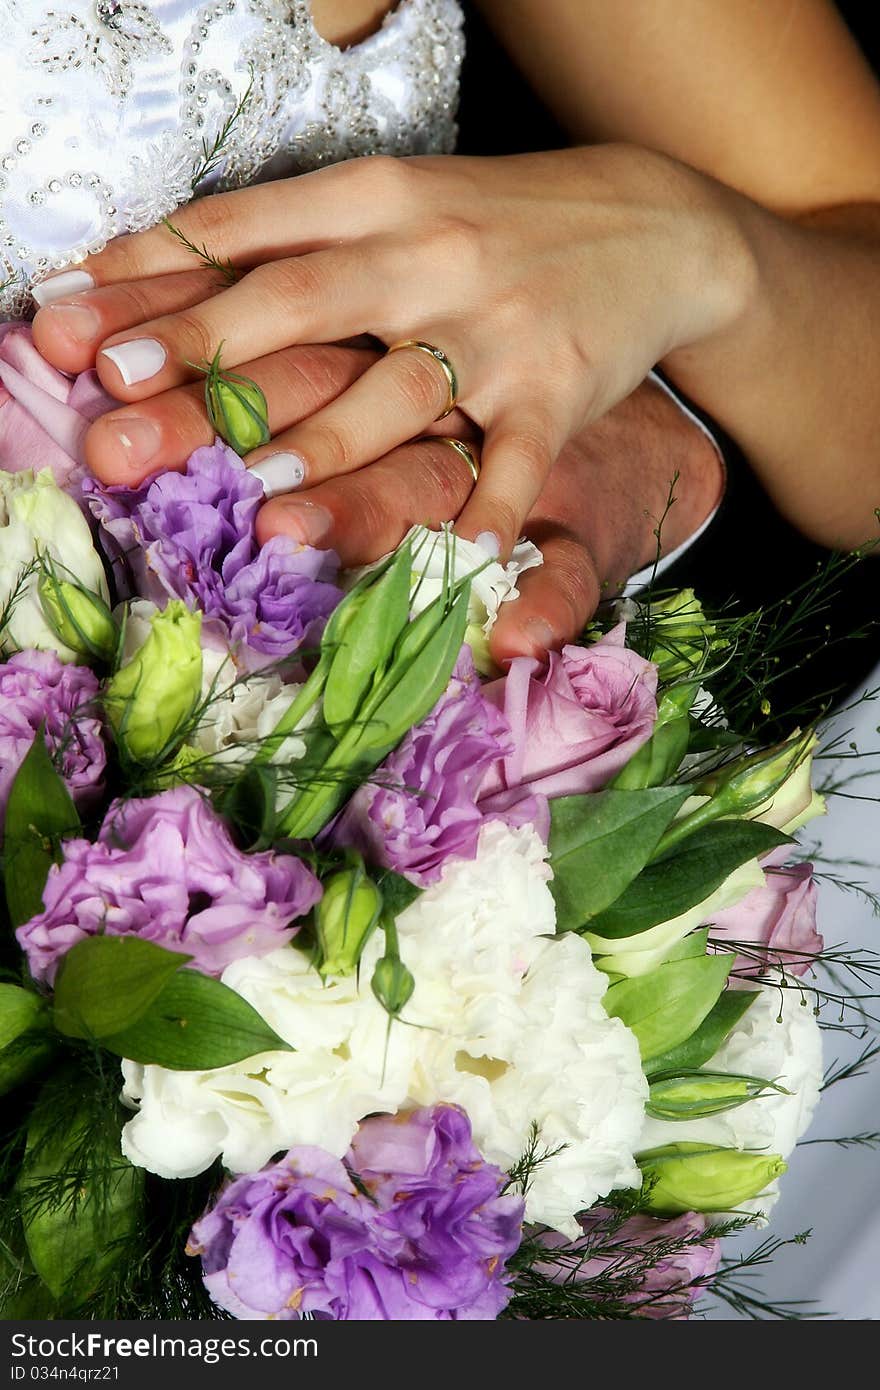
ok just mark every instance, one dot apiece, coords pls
pixel 833 1190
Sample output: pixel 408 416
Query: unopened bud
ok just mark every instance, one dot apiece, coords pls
pixel 150 699
pixel 682 637
pixel 78 617
pixel 699 1177
pixel 392 984
pixel 236 408
pixel 345 919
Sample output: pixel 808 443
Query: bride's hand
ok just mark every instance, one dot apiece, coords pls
pixel 552 283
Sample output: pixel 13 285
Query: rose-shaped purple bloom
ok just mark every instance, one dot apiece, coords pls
pixel 35 689
pixel 43 413
pixel 575 722
pixel 660 1267
pixel 165 869
pixel 192 536
pixel 429 1242
pixel 777 922
pixel 420 809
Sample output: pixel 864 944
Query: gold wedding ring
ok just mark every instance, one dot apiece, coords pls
pixel 464 452
pixel 443 361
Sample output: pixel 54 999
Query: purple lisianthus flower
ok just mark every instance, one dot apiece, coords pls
pixel 192 536
pixel 420 809
pixel 428 1243
pixel 776 923
pixel 35 689
pixel 658 1268
pixel 436 1191
pixel 165 869
pixel 575 722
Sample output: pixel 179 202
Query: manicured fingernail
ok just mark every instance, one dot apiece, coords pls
pixel 307 522
pixel 137 360
pixel 488 541
pixel 540 632
pixel 71 282
pixel 137 438
pixel 279 473
pixel 76 320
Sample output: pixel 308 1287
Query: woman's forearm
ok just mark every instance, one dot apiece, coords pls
pixel 795 376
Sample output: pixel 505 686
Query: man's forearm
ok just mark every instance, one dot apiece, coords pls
pixel 795 380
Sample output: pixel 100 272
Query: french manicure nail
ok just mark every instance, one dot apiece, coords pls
pixel 489 542
pixel 137 438
pixel 81 323
pixel 541 633
pixel 137 360
pixel 279 473
pixel 70 282
pixel 306 522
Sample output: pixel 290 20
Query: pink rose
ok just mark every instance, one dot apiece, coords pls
pixel 658 1268
pixel 575 722
pixel 43 413
pixel 777 921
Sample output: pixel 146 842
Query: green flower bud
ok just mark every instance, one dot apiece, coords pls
pixel 151 698
pixel 699 1177
pixel 773 785
pixel 696 1095
pixel 682 637
pixel 345 919
pixel 392 984
pixel 78 617
pixel 236 407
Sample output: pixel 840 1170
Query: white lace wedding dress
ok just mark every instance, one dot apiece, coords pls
pixel 112 110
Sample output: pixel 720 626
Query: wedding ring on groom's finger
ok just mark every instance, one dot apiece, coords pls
pixel 442 361
pixel 463 450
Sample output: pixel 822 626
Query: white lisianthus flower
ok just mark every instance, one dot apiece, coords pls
pixel 38 518
pixel 777 1039
pixel 511 1026
pixel 239 713
pixel 505 1020
pixel 441 556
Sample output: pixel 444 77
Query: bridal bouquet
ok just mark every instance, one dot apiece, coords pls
pixel 346 977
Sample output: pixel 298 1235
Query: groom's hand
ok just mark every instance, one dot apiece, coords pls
pixel 595 521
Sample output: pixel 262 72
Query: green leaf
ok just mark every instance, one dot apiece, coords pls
pixel 694 944
pixel 599 842
pixel 39 815
pixel 80 1198
pixel 26 1038
pixel 249 803
pixel 196 1024
pixel 368 641
pixel 665 1007
pixel 687 877
pixel 705 1040
pixel 107 983
pixel 397 892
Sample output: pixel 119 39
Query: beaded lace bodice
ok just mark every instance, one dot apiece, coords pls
pixel 113 112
